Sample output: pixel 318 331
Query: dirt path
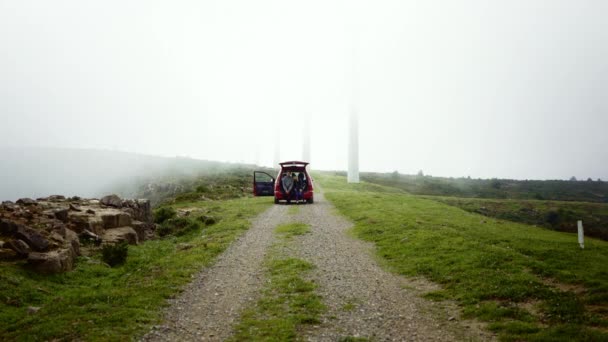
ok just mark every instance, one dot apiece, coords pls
pixel 212 304
pixel 363 299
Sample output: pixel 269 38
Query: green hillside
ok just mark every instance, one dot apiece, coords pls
pixel 528 283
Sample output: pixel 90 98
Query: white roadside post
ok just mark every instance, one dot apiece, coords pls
pixel 581 235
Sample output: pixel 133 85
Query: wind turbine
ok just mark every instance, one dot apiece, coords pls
pixel 353 131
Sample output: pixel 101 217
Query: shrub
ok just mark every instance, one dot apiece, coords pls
pixel 177 226
pixel 207 220
pixel 115 255
pixel 552 218
pixel 163 214
pixel 202 188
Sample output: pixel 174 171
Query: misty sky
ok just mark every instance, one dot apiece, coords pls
pixel 511 89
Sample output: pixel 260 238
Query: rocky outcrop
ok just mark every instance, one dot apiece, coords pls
pixel 47 231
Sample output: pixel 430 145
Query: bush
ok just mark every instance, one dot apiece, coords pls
pixel 115 255
pixel 207 220
pixel 202 188
pixel 177 226
pixel 163 214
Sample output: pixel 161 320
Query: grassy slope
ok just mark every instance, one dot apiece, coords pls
pixel 499 271
pixel 557 190
pixel 95 302
pixel 557 215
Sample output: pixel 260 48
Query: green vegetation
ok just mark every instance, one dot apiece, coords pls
pixel 293 210
pixel 96 302
pixel 163 214
pixel 529 283
pixel 115 255
pixel 178 226
pixel 555 215
pixel 288 301
pixel 556 190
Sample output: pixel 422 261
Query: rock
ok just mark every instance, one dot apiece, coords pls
pixel 140 229
pixel 20 247
pixel 113 218
pixel 8 254
pixel 116 235
pixel 83 221
pixel 8 206
pixel 55 236
pixel 112 201
pixel 75 208
pixel 90 236
pixel 451 318
pixel 7 227
pixel 91 211
pixel 57 261
pixel 36 241
pixel 1 244
pixel 75 199
pixel 32 310
pixel 61 214
pixel 72 238
pixel 56 198
pixel 27 201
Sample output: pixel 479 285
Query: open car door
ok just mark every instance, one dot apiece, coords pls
pixel 263 184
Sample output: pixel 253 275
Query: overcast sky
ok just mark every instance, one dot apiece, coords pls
pixel 511 89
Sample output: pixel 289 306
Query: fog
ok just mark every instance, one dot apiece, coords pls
pixel 508 89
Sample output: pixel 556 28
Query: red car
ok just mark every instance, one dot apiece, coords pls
pixel 293 183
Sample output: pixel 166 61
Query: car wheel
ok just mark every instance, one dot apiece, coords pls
pixel 276 200
pixel 311 200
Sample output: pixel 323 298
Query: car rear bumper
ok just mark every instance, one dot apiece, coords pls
pixel 278 195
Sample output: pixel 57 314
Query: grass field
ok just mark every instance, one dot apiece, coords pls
pixel 528 283
pixel 96 302
pixel 556 190
pixel 556 215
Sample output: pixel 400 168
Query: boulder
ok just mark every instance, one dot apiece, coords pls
pixel 117 235
pixel 19 246
pixel 113 218
pixel 56 236
pixel 8 206
pixel 8 254
pixel 89 236
pixel 83 221
pixel 74 207
pixel 34 239
pixel 112 201
pixel 61 214
pixel 57 261
pixel 72 239
pixel 27 201
pixel 7 227
pixel 140 228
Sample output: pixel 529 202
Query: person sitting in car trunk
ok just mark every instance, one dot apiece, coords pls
pixel 300 186
pixel 287 185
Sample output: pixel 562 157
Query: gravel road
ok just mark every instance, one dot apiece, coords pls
pixel 363 299
pixel 212 303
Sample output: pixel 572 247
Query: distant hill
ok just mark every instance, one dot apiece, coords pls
pixel 557 190
pixel 38 172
